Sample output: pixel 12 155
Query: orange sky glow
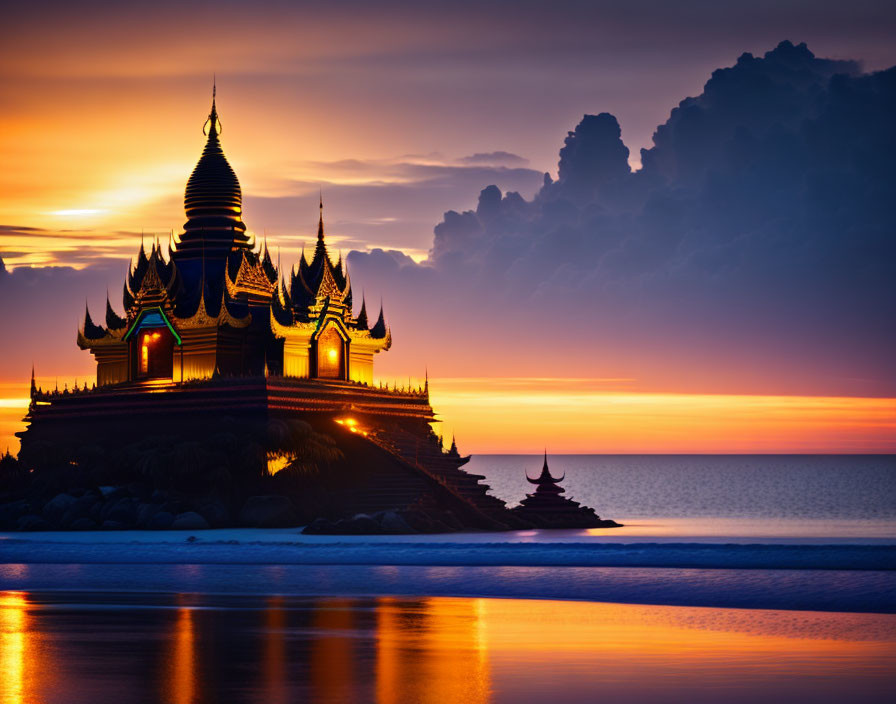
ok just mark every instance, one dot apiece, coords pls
pixel 100 128
pixel 580 416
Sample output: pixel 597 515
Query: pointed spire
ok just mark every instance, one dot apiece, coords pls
pixel 362 316
pixel 214 124
pixel 545 478
pixel 320 222
pixel 378 330
pixel 453 449
pixel 33 385
pixel 91 330
pixel 426 382
pixel 113 320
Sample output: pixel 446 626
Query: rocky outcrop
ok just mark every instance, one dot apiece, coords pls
pixel 268 512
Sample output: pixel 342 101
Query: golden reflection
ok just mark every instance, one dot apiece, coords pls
pixel 333 655
pixel 708 641
pixel 182 687
pixel 273 667
pixel 430 651
pixel 13 635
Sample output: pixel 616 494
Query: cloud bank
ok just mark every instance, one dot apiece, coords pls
pixel 755 248
pixel 754 252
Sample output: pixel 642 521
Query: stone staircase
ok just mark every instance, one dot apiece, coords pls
pixel 426 456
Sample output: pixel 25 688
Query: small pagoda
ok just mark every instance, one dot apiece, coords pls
pixel 546 508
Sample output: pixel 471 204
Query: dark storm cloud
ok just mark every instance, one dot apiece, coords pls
pixel 762 220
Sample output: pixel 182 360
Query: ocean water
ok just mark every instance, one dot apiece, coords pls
pixel 69 648
pixel 785 496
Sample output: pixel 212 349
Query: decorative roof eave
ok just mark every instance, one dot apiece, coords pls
pixel 363 339
pixel 110 339
pixel 225 318
pixel 199 319
pixel 294 331
pixel 140 317
pixel 324 321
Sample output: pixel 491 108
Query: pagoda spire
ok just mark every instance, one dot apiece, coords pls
pixel 320 222
pixel 545 478
pixel 214 124
pixel 33 384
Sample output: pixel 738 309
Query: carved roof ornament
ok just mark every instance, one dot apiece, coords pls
pixel 251 278
pixel 202 319
pixel 329 288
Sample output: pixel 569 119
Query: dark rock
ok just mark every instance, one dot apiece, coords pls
pixel 81 508
pixel 158 497
pixel 123 511
pixel 176 506
pixel 11 513
pixel 189 521
pixel 391 522
pixel 113 525
pixel 319 526
pixel 268 512
pixel 113 493
pixel 56 507
pixel 96 511
pixel 214 512
pixel 161 521
pixel 33 522
pixel 360 524
pixel 83 524
pixel 145 512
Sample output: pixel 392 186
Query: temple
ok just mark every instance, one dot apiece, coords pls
pixel 225 375
pixel 215 303
pixel 546 507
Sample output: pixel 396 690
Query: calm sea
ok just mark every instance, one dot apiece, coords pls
pixel 787 496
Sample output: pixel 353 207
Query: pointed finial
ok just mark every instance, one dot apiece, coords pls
pixel 426 381
pixel 214 124
pixel 320 222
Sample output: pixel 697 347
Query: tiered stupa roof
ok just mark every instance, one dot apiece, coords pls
pixel 546 508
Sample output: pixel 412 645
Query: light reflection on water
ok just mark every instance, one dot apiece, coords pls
pixel 136 647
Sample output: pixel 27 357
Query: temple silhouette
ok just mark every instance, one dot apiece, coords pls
pixel 217 346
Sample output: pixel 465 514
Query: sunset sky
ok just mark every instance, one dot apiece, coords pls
pixel 772 339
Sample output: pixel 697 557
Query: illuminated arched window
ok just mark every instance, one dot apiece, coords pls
pixel 330 354
pixel 155 347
